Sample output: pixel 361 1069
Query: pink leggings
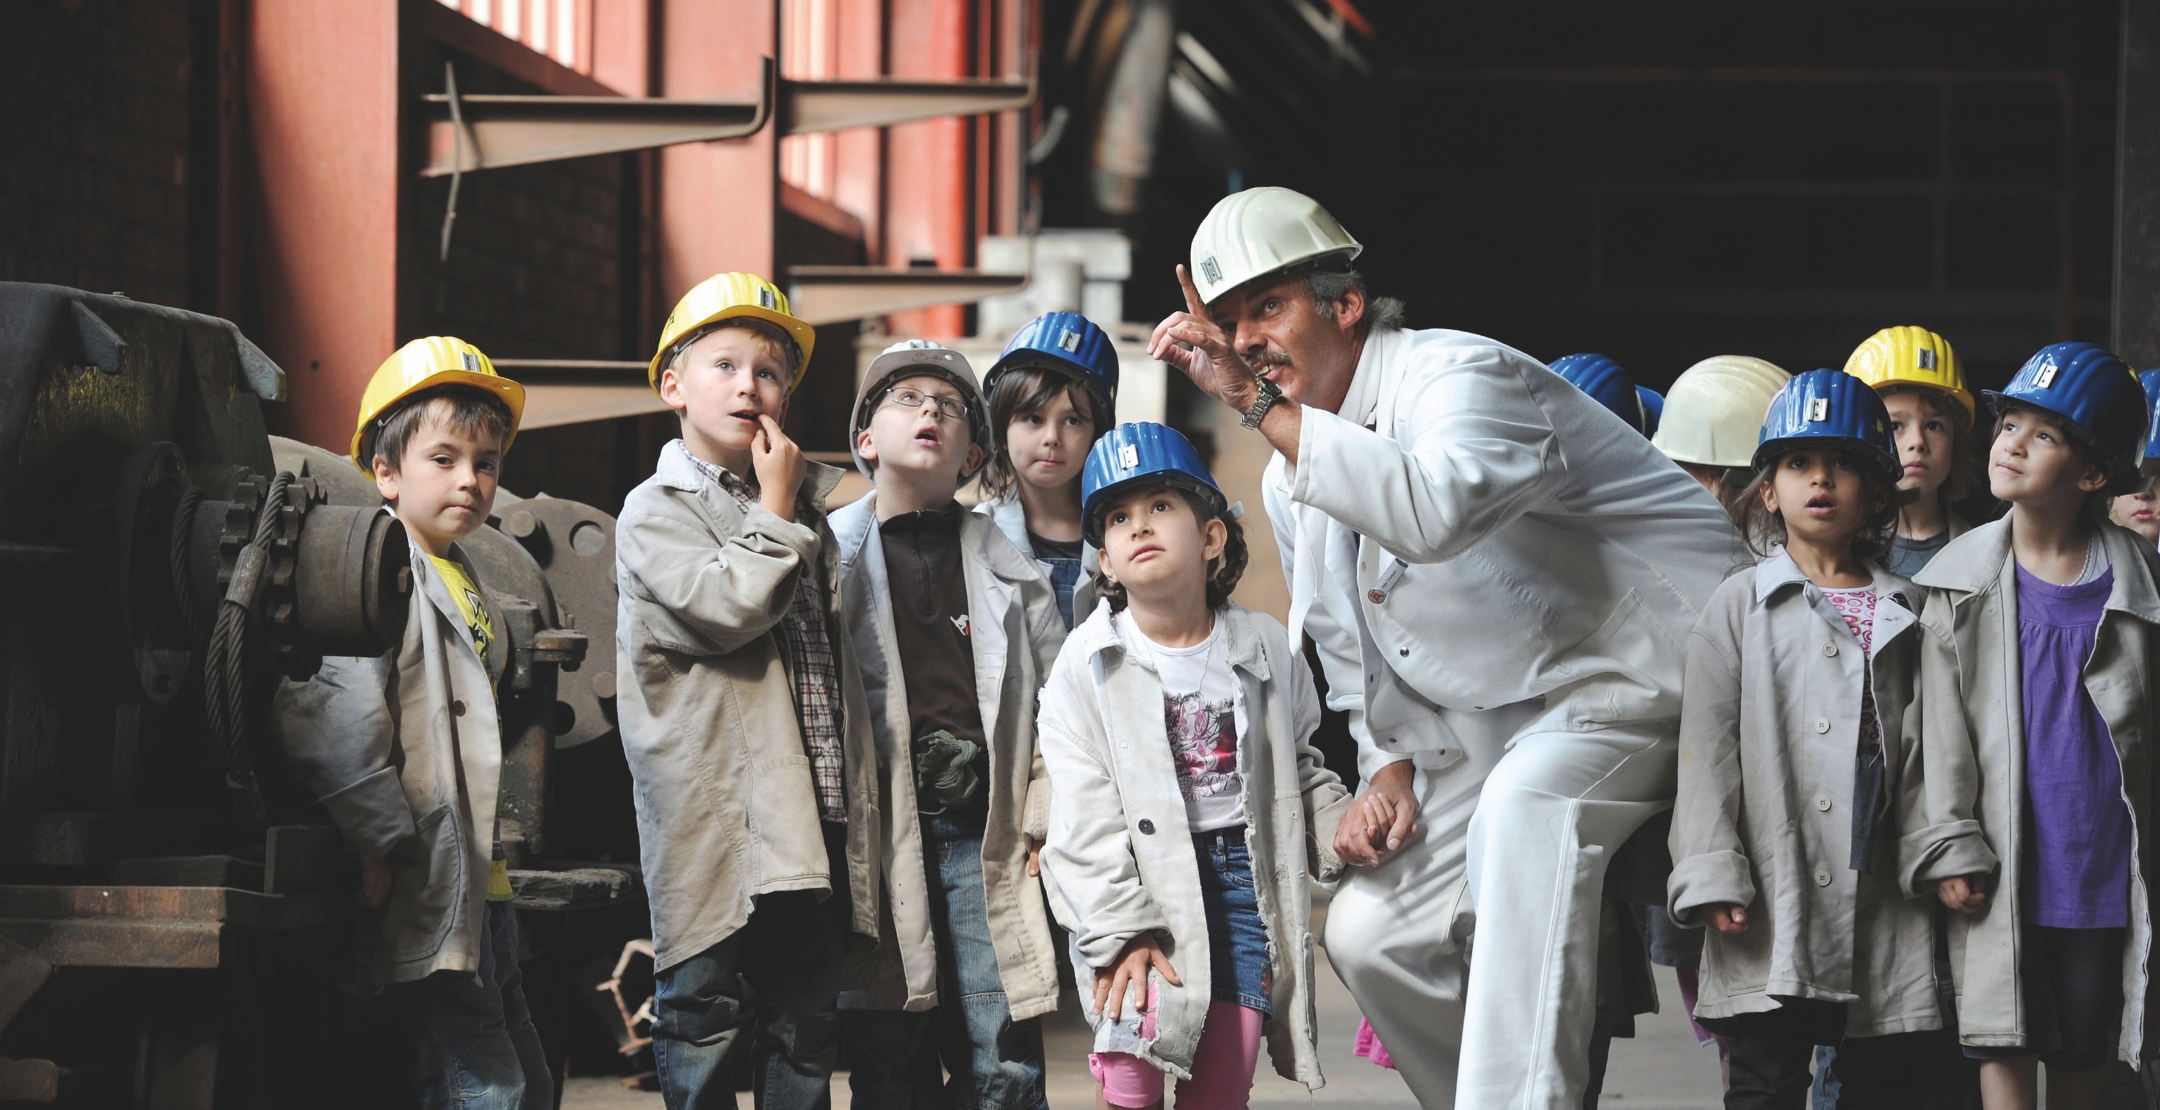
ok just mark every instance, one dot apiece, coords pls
pixel 1222 1069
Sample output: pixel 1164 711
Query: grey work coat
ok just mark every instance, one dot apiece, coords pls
pixel 1971 693
pixel 1121 860
pixel 726 809
pixel 381 743
pixel 1769 730
pixel 1014 632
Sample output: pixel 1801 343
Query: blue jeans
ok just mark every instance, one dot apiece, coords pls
pixel 996 1063
pixel 789 952
pixel 1238 965
pixel 475 1044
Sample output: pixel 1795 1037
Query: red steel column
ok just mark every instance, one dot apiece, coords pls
pixel 929 167
pixel 716 199
pixel 322 96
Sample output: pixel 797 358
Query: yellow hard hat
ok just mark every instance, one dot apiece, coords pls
pixel 1911 357
pixel 424 364
pixel 1714 410
pixel 726 296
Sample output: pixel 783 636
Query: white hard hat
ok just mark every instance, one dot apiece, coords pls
pixel 1714 412
pixel 1268 230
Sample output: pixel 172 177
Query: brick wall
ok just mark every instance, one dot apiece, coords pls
pixel 535 267
pixel 94 145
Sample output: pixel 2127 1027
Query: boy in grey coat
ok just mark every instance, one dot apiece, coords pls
pixel 742 719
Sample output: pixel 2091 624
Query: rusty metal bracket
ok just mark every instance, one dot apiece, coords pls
pixel 831 294
pixel 809 107
pixel 488 131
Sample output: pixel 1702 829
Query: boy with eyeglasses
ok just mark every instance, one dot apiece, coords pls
pixel 955 629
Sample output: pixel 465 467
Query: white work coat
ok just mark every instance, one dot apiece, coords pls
pixel 1014 633
pixel 1120 857
pixel 1011 519
pixel 1470 532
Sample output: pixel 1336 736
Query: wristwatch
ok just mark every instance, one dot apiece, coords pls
pixel 1269 394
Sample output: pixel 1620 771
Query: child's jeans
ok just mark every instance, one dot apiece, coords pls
pixel 1222 1064
pixel 475 1042
pixel 790 954
pixel 996 1063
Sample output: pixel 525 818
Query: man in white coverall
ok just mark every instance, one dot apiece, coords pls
pixel 1501 576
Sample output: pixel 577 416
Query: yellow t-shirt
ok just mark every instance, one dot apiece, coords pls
pixel 473 608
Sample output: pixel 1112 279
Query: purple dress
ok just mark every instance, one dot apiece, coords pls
pixel 2077 843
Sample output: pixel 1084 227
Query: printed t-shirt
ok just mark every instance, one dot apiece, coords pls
pixel 1200 717
pixel 473 608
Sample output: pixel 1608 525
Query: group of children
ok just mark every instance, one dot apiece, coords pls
pixel 876 751
pixel 1891 710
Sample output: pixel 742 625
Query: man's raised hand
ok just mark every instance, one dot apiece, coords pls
pixel 1192 342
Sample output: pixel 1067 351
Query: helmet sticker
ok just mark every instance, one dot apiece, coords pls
pixel 1926 358
pixel 765 297
pixel 1209 270
pixel 1069 340
pixel 1818 409
pixel 1128 457
pixel 2046 377
pixel 471 361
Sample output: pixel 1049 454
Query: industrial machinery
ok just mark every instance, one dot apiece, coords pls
pixel 174 913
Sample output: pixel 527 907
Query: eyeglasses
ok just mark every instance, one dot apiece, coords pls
pixel 948 408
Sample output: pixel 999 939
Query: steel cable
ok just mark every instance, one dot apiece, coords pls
pixel 225 663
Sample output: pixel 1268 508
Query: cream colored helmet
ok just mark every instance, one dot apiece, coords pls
pixel 1714 411
pixel 1263 231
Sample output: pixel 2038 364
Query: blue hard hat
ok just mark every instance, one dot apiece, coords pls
pixel 1653 408
pixel 1141 453
pixel 2096 397
pixel 1605 382
pixel 1830 408
pixel 1071 344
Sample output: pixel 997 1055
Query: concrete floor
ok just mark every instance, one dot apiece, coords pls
pixel 1660 1069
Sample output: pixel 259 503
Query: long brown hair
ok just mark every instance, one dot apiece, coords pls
pixel 1222 576
pixel 1022 390
pixel 1763 530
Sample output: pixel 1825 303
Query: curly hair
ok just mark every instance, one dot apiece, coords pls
pixel 1223 574
pixel 1763 530
pixel 1019 391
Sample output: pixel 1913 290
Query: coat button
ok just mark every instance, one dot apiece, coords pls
pixel 1822 803
pixel 1402 651
pixel 1822 724
pixel 1147 826
pixel 1829 648
pixel 457 708
pixel 1822 877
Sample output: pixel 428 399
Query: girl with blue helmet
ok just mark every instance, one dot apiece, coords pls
pixel 2036 685
pixel 2139 511
pixel 1793 748
pixel 1051 394
pixel 1174 726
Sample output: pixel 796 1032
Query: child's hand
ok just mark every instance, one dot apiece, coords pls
pixel 1111 983
pixel 1378 823
pixel 1034 858
pixel 778 464
pixel 374 883
pixel 1728 918
pixel 1963 893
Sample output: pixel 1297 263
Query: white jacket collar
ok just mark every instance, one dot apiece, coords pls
pixel 1779 571
pixel 1098 634
pixel 1363 399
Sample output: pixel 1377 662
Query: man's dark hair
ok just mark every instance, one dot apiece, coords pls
pixel 467 410
pixel 1328 287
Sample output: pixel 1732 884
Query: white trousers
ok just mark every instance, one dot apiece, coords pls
pixel 1523 835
